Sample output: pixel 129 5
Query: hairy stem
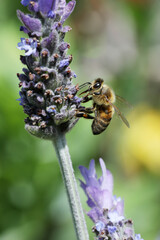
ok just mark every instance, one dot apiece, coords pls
pixel 71 186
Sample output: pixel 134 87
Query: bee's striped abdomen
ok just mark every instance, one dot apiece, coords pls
pixel 103 116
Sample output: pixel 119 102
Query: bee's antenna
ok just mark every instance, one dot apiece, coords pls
pixel 84 84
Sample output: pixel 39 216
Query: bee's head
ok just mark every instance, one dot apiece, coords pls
pixel 93 87
pixel 96 85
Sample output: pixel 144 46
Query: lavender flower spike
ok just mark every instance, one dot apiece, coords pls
pixel 107 211
pixel 47 94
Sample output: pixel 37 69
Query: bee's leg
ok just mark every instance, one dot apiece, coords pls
pixel 86 110
pixel 86 99
pixel 84 115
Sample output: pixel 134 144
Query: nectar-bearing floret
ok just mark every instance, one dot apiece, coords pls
pixel 107 210
pixel 29 45
pixel 47 94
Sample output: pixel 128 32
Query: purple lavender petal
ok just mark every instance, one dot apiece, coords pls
pixel 36 34
pixel 88 173
pixel 111 229
pixel 106 199
pixel 90 202
pixel 21 43
pixel 100 226
pixel 138 237
pixel 22 77
pixel 25 2
pixel 24 29
pixel 63 63
pixel 66 29
pixel 106 180
pixel 102 199
pixel 68 10
pixel 90 176
pixel 50 41
pixel 52 109
pixel 75 75
pixel 58 26
pixel 84 172
pixel 22 98
pixel 27 84
pixel 25 70
pixel 95 214
pixel 28 45
pixel 120 207
pixel 77 99
pixel 33 7
pixel 64 46
pixel 46 6
pixel 40 99
pixel 114 216
pixel 32 24
pixel 92 171
pixel 90 180
pixel 61 4
pixel 51 14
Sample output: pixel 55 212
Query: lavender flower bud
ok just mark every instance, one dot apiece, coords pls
pixel 107 211
pixel 47 94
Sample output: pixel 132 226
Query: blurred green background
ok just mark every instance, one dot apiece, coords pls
pixel 120 42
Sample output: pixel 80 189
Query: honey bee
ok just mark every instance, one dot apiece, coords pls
pixel 103 98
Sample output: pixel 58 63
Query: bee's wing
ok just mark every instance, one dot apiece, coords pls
pixel 122 117
pixel 122 100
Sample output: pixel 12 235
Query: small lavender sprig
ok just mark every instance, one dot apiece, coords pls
pixel 107 211
pixel 47 94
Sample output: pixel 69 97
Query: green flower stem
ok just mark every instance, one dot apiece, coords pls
pixel 71 186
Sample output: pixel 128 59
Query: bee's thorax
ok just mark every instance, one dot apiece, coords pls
pixel 104 94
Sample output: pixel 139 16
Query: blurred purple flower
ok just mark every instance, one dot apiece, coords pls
pixel 107 211
pixel 99 192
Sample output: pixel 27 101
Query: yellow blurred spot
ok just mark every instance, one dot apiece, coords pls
pixel 140 144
